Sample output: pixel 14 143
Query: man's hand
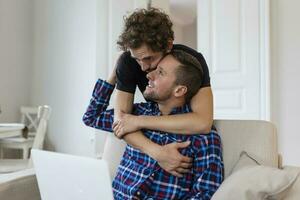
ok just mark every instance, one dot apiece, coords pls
pixel 126 123
pixel 169 158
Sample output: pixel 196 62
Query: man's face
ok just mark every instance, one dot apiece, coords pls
pixel 161 81
pixel 146 58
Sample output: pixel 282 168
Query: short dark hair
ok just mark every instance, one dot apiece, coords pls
pixel 146 26
pixel 189 73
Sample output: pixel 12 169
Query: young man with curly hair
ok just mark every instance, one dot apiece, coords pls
pixel 147 36
pixel 170 87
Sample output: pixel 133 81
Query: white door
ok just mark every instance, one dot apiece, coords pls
pixel 233 37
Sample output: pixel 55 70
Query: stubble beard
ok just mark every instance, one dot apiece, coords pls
pixel 153 96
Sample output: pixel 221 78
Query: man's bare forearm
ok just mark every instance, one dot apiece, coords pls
pixel 141 142
pixel 189 123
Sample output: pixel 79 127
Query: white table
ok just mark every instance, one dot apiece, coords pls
pixel 10 130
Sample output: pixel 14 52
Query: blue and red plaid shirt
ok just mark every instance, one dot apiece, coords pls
pixel 139 176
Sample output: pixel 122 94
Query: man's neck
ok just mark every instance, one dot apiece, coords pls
pixel 167 106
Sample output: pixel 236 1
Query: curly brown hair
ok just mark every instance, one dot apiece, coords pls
pixel 146 26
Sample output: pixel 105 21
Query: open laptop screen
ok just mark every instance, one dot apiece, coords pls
pixel 62 176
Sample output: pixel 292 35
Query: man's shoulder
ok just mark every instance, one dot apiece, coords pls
pixel 182 47
pixel 128 73
pixel 125 59
pixel 185 49
pixel 125 55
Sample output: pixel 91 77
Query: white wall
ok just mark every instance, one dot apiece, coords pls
pixel 285 68
pixel 15 57
pixel 183 14
pixel 65 70
pixel 190 34
pixel 186 34
pixel 178 33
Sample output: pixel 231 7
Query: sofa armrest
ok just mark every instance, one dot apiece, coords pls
pixel 19 185
pixel 294 192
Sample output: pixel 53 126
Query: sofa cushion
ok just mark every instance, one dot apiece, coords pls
pixel 294 192
pixel 254 136
pixel 250 180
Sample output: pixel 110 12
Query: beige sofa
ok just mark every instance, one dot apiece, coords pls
pixel 257 138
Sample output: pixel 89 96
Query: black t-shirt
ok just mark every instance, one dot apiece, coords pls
pixel 130 75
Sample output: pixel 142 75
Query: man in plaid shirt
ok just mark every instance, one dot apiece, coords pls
pixel 171 86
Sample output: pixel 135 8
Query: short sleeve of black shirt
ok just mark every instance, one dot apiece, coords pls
pixel 130 75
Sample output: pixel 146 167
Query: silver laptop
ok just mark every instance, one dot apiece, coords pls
pixel 64 177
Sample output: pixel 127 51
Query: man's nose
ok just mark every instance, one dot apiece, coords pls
pixel 145 65
pixel 150 75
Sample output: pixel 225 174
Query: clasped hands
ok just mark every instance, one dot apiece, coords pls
pixel 167 156
pixel 126 124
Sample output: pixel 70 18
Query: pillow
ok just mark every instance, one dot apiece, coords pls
pixel 245 161
pixel 251 181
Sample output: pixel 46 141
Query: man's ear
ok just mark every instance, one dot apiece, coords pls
pixel 180 91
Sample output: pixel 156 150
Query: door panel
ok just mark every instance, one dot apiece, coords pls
pixel 230 38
